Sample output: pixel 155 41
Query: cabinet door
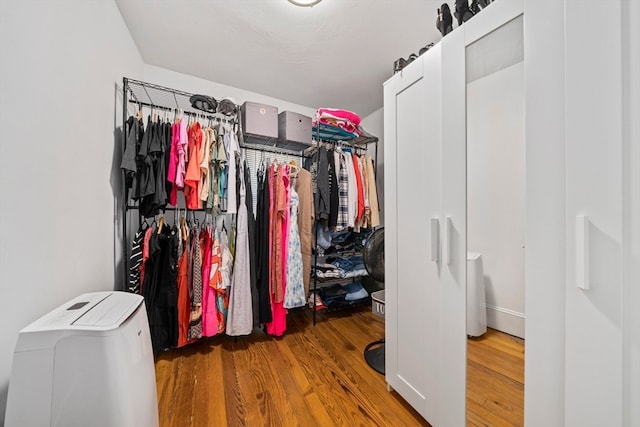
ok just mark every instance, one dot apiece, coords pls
pixel 417 338
pixel 594 205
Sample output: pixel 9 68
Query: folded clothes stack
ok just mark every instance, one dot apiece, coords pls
pixel 339 295
pixel 352 266
pixel 344 119
pixel 326 271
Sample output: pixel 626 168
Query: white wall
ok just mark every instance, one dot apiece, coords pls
pixel 496 192
pixel 62 67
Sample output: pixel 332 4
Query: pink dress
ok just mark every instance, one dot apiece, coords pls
pixel 181 167
pixel 278 325
pixel 173 163
pixel 209 312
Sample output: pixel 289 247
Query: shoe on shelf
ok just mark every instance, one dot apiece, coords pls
pixel 463 13
pixel 399 64
pixel 424 49
pixel 444 21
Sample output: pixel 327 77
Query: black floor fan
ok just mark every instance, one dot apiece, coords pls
pixel 373 256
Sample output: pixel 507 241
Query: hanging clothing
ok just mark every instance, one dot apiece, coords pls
pixel 359 186
pixel 183 142
pixel 240 317
pixel 209 310
pixel 146 184
pixel 294 295
pixel 306 219
pixel 135 261
pixel 184 304
pixel 352 194
pixel 277 219
pixel 129 163
pixel 222 290
pixel 333 188
pixel 322 190
pixel 172 169
pixel 251 230
pixel 193 176
pixel 343 199
pixel 233 151
pixel 145 255
pixel 278 325
pixel 262 247
pixel 372 191
pixel 195 278
pixel 160 290
pixel 285 226
pixel 168 185
pixel 205 163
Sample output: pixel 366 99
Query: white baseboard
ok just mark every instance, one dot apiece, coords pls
pixel 505 320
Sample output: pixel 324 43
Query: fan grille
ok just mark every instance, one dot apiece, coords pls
pixel 373 255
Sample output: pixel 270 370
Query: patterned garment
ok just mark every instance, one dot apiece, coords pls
pixel 135 261
pixel 222 296
pixel 195 324
pixel 215 276
pixel 294 295
pixel 343 195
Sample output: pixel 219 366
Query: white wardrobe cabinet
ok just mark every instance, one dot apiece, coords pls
pixel 424 243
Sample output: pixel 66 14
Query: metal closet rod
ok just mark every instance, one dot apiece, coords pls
pixel 173 208
pixel 269 149
pixel 132 82
pixel 128 83
pixel 188 113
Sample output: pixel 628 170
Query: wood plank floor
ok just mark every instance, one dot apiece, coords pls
pixel 495 380
pixel 313 376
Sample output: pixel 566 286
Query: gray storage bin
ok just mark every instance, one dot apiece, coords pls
pixel 259 123
pixel 377 303
pixel 294 131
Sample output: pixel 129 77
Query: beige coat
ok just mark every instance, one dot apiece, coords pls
pixel 305 222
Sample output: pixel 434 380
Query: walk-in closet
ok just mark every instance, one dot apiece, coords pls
pixel 320 213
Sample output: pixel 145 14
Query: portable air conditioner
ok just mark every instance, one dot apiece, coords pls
pixel 87 363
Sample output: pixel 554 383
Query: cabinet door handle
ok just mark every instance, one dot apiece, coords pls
pixel 435 240
pixel 448 230
pixel 582 252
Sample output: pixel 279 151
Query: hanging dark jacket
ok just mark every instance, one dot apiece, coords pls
pixel 322 196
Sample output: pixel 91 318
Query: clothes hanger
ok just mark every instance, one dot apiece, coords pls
pixel 183 227
pixel 293 169
pixel 139 113
pixel 160 224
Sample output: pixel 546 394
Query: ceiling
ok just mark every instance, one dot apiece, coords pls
pixel 334 54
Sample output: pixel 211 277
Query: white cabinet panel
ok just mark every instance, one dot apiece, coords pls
pixel 453 309
pixel 410 276
pixel 425 330
pixel 594 368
